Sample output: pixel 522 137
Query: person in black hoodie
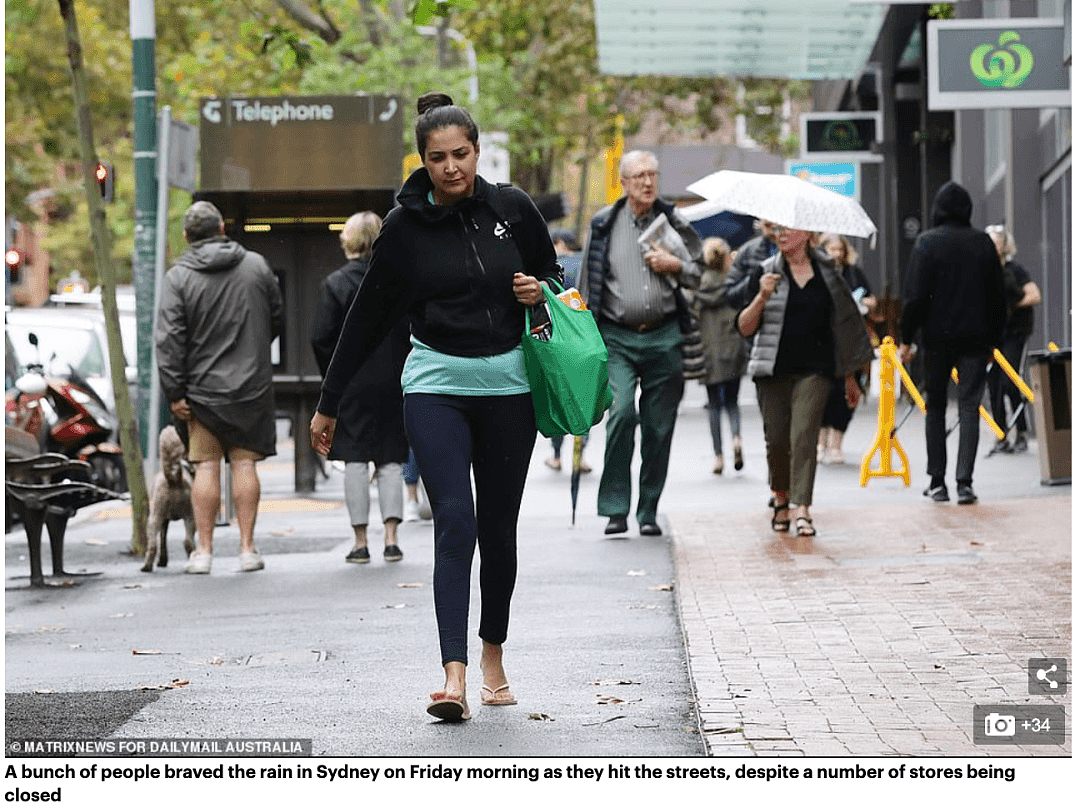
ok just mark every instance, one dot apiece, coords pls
pixel 955 294
pixel 372 429
pixel 462 259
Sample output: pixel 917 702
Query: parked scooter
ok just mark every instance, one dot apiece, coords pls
pixel 66 415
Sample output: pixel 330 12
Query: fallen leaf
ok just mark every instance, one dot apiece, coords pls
pixel 409 586
pixel 602 699
pixel 44 691
pixel 605 721
pixel 148 652
pixel 132 586
pixel 662 587
pixel 977 543
pixel 606 682
pixel 636 573
pixel 171 685
pixel 540 717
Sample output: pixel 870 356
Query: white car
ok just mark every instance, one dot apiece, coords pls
pixel 66 336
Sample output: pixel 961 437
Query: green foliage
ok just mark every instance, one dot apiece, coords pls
pixel 196 56
pixel 941 11
pixel 537 75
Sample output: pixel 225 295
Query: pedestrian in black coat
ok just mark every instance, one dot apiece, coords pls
pixel 954 294
pixel 372 426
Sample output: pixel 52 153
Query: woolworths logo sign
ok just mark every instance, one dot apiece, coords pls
pixel 998 63
pixel 1006 65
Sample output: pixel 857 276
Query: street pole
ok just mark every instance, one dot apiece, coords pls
pixel 144 97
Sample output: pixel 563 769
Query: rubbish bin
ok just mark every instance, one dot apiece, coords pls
pixel 1051 381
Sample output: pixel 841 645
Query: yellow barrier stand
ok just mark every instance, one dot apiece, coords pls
pixel 982 410
pixel 1029 394
pixel 886 443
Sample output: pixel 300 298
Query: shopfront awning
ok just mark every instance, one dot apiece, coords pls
pixel 795 39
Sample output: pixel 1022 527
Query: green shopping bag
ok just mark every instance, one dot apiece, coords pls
pixel 568 374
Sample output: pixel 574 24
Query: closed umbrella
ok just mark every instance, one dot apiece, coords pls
pixel 575 476
pixel 786 200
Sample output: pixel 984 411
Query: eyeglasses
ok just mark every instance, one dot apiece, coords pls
pixel 642 176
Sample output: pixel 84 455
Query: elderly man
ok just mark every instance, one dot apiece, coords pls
pixel 220 309
pixel 631 290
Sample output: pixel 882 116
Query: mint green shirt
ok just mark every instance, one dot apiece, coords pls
pixel 429 371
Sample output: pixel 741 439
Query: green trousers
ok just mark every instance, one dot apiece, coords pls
pixel 791 412
pixel 654 361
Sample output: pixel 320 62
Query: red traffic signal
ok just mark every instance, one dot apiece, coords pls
pixel 104 175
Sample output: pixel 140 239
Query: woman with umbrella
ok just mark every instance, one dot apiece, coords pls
pixel 806 331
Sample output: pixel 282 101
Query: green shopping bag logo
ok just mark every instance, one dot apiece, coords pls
pixel 1007 66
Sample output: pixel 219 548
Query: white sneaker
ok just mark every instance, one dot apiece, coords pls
pixel 198 563
pixel 412 511
pixel 251 561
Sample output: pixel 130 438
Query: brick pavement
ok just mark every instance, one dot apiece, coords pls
pixel 878 636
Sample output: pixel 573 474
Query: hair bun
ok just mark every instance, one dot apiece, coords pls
pixel 430 101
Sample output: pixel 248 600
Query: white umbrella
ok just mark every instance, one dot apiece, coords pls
pixel 786 200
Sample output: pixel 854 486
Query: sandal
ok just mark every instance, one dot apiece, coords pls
pixel 449 707
pixel 804 526
pixel 492 698
pixel 780 525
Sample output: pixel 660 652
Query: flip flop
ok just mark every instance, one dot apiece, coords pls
pixel 804 527
pixel 492 699
pixel 447 707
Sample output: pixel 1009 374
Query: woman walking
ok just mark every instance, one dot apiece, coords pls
pixel 372 428
pixel 725 349
pixel 807 331
pixel 462 259
pixel 837 410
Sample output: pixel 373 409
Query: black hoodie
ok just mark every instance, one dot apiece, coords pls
pixel 954 291
pixel 450 269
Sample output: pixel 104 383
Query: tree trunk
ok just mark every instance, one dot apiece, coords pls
pixel 99 237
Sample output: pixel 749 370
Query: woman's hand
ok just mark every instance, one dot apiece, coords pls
pixel 851 391
pixel 767 284
pixel 322 433
pixel 527 289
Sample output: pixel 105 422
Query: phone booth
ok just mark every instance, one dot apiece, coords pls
pixel 286 172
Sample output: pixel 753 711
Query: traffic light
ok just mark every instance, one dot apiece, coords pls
pixel 104 175
pixel 13 263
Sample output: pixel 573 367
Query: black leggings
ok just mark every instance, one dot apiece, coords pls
pixel 494 435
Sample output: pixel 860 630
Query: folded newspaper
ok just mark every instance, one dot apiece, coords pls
pixel 661 233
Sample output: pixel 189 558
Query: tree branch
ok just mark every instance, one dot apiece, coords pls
pixel 320 24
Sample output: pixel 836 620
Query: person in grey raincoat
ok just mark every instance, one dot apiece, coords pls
pixel 220 310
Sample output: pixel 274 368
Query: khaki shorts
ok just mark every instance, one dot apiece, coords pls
pixel 204 445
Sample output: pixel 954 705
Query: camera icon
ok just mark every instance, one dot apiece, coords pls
pixel 999 725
